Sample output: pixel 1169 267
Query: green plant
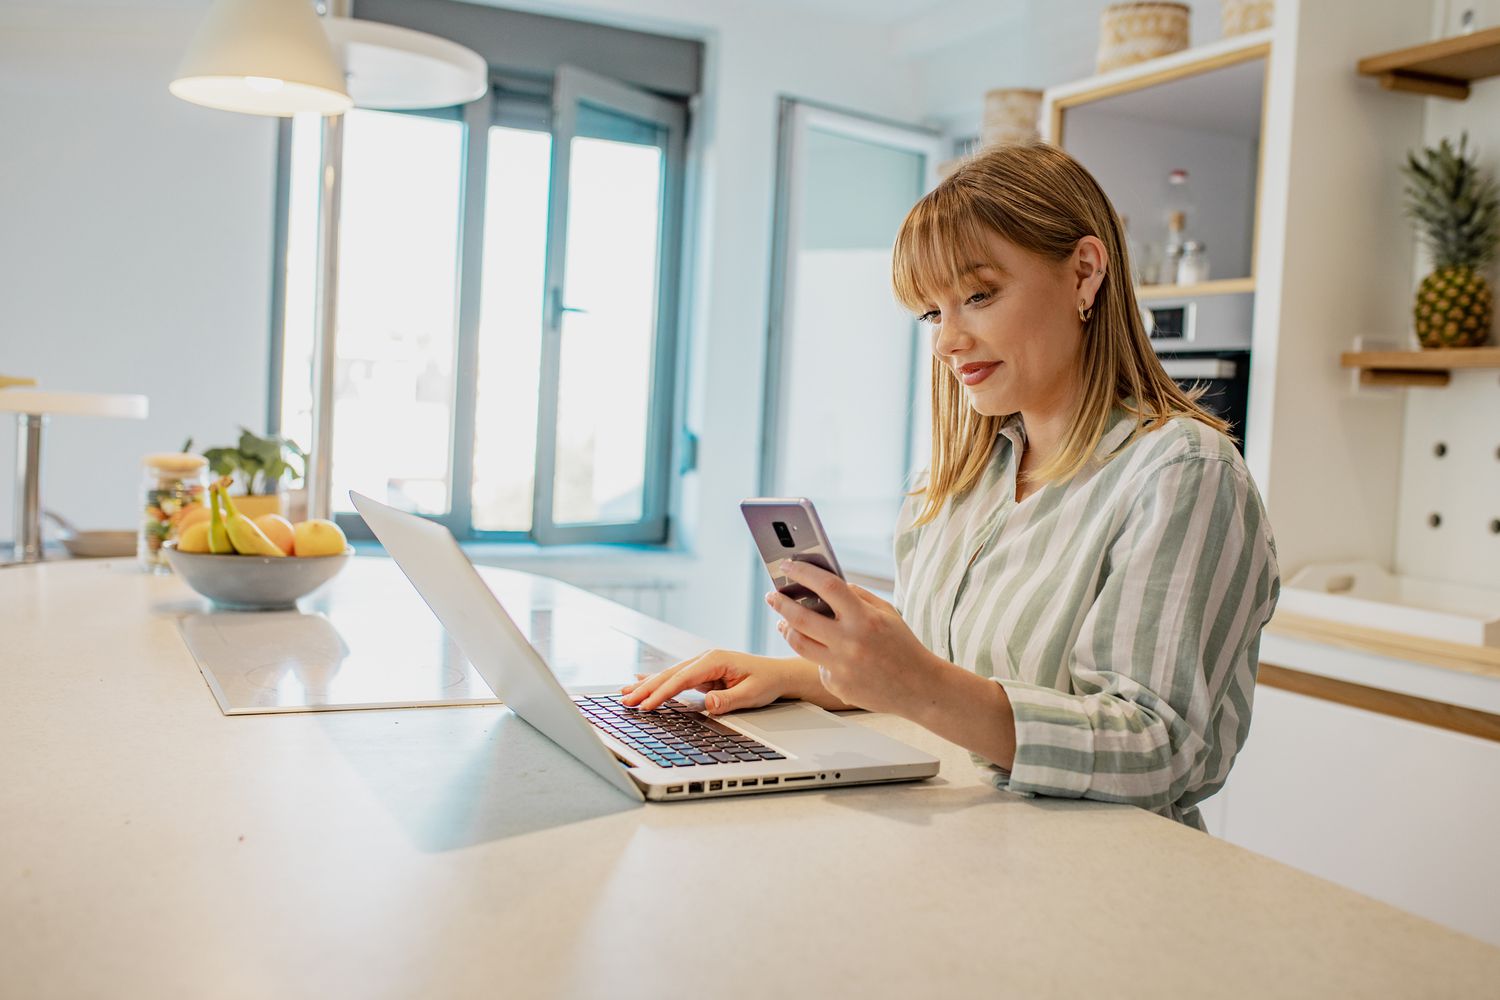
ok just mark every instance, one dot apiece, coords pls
pixel 261 463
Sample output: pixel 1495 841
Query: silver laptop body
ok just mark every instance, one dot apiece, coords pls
pixel 815 747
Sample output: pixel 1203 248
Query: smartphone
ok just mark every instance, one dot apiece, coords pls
pixel 788 528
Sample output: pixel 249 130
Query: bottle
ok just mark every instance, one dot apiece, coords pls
pixel 173 483
pixel 1192 268
pixel 1172 252
pixel 1178 202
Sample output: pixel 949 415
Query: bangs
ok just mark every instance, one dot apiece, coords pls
pixel 940 244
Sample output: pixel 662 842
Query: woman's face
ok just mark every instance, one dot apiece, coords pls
pixel 1012 336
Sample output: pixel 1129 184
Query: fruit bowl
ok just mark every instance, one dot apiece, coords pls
pixel 254 583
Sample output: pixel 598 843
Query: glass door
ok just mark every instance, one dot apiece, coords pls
pixel 846 400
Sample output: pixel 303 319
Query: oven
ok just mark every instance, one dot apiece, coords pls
pixel 1206 341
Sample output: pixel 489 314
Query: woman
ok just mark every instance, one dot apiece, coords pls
pixel 1084 572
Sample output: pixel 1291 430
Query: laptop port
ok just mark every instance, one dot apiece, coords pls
pixel 749 782
pixel 674 789
pixel 731 784
pixel 771 781
pixel 714 786
pixel 695 786
pixel 800 777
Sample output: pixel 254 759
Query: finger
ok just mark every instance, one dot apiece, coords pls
pixel 826 585
pixel 820 627
pixel 808 649
pixel 871 599
pixel 751 692
pixel 706 668
pixel 644 687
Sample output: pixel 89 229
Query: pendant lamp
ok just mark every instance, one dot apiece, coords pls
pixel 262 57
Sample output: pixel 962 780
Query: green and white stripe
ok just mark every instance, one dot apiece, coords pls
pixel 1121 610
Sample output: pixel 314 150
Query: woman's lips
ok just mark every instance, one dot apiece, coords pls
pixel 975 374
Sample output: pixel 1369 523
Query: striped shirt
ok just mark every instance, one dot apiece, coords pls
pixel 1121 610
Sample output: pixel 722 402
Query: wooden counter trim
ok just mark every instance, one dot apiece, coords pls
pixel 1469 721
pixel 1481 660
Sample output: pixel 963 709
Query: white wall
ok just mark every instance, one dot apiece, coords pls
pixel 135 244
pixel 961 48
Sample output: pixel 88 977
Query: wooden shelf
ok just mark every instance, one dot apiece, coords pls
pixel 1430 367
pixel 1225 286
pixel 1443 68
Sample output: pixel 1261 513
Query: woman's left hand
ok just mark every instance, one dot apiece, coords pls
pixel 866 655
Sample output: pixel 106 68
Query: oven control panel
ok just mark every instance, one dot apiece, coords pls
pixel 1202 323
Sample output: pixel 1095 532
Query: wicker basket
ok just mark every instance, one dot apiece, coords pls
pixel 1240 16
pixel 1134 32
pixel 1010 115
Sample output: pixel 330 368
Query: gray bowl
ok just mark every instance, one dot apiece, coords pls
pixel 254 583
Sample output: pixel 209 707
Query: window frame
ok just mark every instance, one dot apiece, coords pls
pixel 532 103
pixel 575 86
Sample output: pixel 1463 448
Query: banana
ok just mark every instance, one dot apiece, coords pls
pixel 6 381
pixel 218 535
pixel 244 534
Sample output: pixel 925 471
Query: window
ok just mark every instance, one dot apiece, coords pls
pixel 505 311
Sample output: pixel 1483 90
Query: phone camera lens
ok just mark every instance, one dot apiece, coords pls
pixel 783 534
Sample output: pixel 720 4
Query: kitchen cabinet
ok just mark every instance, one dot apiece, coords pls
pixel 1403 812
pixel 1200 111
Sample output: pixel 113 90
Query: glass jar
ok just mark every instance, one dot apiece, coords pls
pixel 1192 266
pixel 173 484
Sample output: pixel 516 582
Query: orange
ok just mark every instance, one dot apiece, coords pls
pixel 278 529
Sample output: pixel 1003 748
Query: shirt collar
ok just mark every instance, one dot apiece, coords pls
pixel 1122 424
pixel 1116 433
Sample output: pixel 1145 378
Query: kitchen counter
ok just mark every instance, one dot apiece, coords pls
pixel 153 847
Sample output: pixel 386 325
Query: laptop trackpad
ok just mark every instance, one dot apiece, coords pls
pixel 779 720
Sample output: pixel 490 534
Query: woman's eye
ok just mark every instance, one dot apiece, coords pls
pixel 927 317
pixel 979 296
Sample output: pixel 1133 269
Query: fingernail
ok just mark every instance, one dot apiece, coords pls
pixel 783 566
pixel 712 701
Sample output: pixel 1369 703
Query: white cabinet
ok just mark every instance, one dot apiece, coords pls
pixel 1406 813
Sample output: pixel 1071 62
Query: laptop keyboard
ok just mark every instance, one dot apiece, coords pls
pixel 674 735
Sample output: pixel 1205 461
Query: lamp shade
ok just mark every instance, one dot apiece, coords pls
pixel 263 57
pixel 394 68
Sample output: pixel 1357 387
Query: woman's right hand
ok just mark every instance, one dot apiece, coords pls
pixel 730 679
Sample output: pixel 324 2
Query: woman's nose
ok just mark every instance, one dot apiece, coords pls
pixel 950 339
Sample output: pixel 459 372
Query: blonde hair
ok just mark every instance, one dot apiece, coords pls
pixel 1042 200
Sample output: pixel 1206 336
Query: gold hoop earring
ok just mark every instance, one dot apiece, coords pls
pixel 1084 314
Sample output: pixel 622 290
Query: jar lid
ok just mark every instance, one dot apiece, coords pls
pixel 174 461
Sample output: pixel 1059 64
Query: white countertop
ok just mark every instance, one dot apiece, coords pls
pixel 150 847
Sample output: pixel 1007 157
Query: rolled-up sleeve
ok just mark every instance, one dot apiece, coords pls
pixel 1162 673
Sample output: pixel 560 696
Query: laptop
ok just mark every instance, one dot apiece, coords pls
pixel 677 752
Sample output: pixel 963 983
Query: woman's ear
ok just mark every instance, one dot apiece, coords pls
pixel 1090 264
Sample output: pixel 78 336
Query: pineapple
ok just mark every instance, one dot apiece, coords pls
pixel 1457 213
